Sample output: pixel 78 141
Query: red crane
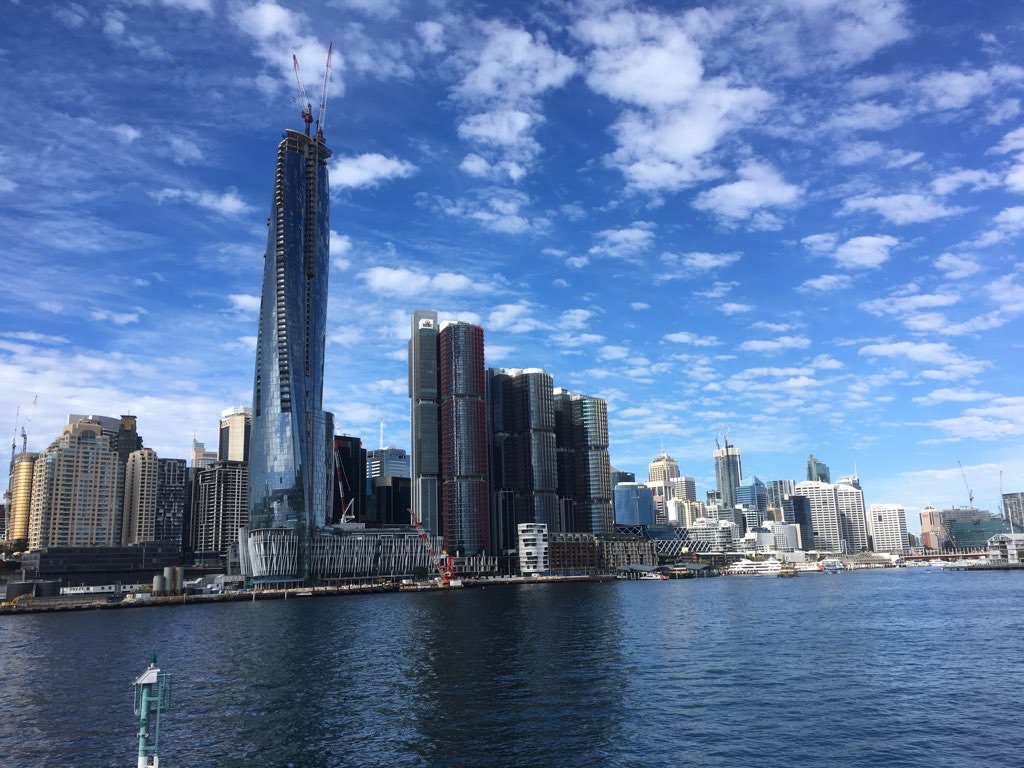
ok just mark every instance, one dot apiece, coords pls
pixel 443 563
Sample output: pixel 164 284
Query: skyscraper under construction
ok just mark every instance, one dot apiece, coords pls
pixel 290 461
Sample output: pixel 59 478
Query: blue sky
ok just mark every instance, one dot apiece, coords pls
pixel 797 221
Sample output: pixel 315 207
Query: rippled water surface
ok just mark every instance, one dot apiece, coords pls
pixel 880 668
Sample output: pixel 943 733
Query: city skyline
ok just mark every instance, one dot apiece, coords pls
pixel 798 227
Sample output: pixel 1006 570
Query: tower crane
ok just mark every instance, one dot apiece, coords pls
pixel 323 95
pixel 342 477
pixel 970 493
pixel 307 108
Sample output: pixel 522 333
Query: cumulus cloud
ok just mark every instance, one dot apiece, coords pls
pixel 624 243
pixel 949 363
pixel 866 252
pixel 368 170
pixel 499 210
pixel 405 282
pixel 760 186
pixel 777 344
pixel 957 267
pixel 975 180
pixel 902 209
pixel 826 283
pixel 696 263
pixel 514 318
pixel 244 303
pixel 733 308
pixel 1008 224
pixel 692 339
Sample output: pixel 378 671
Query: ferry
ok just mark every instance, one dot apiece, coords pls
pixel 745 567
pixel 652 576
pixel 832 565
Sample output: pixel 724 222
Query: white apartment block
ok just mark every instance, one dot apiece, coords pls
pixel 533 548
pixel 141 478
pixel 888 528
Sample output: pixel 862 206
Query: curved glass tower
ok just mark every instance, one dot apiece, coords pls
pixel 289 457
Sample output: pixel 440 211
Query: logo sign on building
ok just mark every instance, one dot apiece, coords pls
pixel 426 323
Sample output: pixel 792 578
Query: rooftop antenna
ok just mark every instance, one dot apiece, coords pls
pixel 382 433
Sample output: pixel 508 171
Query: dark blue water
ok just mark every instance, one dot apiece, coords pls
pixel 878 668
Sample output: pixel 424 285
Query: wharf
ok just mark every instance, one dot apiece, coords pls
pixel 986 567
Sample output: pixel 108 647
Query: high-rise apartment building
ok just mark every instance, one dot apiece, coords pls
pixel 662 472
pixel 172 500
pixel 290 452
pixel 584 469
pixel 888 528
pixel 424 420
pixel 235 433
pixel 932 535
pixel 221 506
pixel 75 490
pixel 838 515
pixel 465 498
pixel 141 478
pixel 1013 510
pixel 685 488
pixel 728 471
pixel 662 468
pixel 19 499
pixel 817 471
pixel 201 458
pixel 852 515
pixel 524 467
pixel 778 490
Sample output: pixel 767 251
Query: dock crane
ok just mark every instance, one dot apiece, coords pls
pixel 306 105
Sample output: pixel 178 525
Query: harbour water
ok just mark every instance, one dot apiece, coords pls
pixel 873 668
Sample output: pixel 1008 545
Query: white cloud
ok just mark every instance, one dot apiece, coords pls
pixel 947 395
pixel 1007 225
pixel 383 9
pixel 902 209
pixel 955 90
pixel 868 116
pixel 866 252
pixel 405 282
pixel 514 318
pixel 760 186
pixel 612 352
pixel 957 267
pixel 225 204
pixel 699 262
pixel 820 244
pixel 500 211
pixel 341 246
pixel 624 243
pixel 733 308
pixel 117 318
pixel 827 363
pixel 431 33
pixel 950 182
pixel 900 305
pixel 685 337
pixel 575 319
pixel 776 345
pixel 639 306
pixel 1003 417
pixel 244 303
pixel 367 170
pixel 826 283
pixel 1011 142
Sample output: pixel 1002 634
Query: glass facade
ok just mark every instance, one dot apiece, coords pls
pixel 290 462
pixel 425 465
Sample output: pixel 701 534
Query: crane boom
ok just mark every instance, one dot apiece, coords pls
pixel 307 108
pixel 970 493
pixel 323 95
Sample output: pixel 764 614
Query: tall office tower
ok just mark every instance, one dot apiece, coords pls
pixel 387 462
pixel 424 418
pixel 584 470
pixel 290 450
pixel 1013 510
pixel 797 510
pixel 685 488
pixel 661 473
pixel 824 514
pixel 74 491
pixel 171 500
pixel 852 515
pixel 465 498
pixel 19 505
pixel 524 464
pixel 777 491
pixel 754 494
pixel 728 472
pixel 620 476
pixel 634 504
pixel 817 471
pixel 141 478
pixel 932 534
pixel 201 458
pixel 888 528
pixel 235 434
pixel 221 506
pixel 348 481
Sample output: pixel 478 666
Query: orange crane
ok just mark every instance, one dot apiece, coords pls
pixel 443 563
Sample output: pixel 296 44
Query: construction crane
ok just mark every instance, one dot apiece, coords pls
pixel 342 478
pixel 443 563
pixel 323 96
pixel 307 108
pixel 970 493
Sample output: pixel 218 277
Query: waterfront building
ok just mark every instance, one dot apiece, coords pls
pixel 424 420
pixel 584 470
pixel 728 471
pixel 786 536
pixel 533 548
pixel 200 457
pixel 290 451
pixel 523 456
pixel 1006 548
pixel 932 536
pixel 75 490
pixel 778 490
pixel 19 503
pixel 713 535
pixel 797 510
pixel 235 434
pixel 634 504
pixel 140 486
pixel 1013 510
pixel 969 528
pixel 387 462
pixel 615 552
pixel 817 471
pixel 124 439
pixel 348 481
pixel 888 528
pixel 172 500
pixel 852 517
pixel 572 554
pixel 465 510
pixel 221 506
pixel 824 516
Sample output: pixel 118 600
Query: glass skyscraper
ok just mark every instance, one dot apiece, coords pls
pixel 290 460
